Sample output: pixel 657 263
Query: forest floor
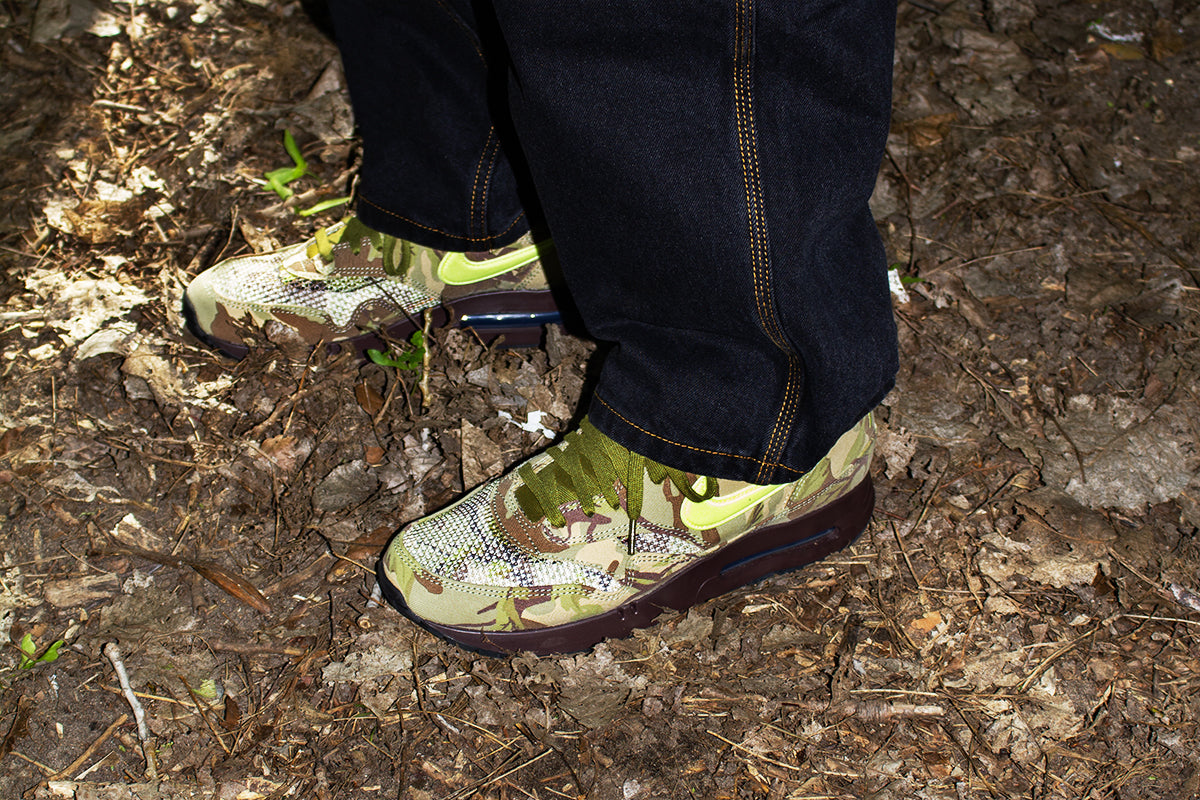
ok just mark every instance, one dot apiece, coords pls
pixel 1021 619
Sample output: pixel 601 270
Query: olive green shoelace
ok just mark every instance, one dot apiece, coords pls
pixel 588 465
pixel 354 233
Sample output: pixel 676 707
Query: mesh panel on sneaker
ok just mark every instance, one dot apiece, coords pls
pixel 467 543
pixel 339 297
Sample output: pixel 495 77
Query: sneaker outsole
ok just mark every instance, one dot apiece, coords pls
pixel 775 549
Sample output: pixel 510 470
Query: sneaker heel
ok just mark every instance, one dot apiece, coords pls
pixel 792 545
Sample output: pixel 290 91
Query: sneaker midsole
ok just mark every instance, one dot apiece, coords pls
pixel 777 548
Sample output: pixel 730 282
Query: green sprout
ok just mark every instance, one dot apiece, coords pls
pixel 29 656
pixel 278 179
pixel 324 205
pixel 905 280
pixel 407 359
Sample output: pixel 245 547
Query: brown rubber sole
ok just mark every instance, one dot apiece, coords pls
pixel 779 548
pixel 518 316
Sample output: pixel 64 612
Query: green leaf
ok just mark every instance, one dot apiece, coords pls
pixel 382 359
pixel 411 360
pixel 277 182
pixel 28 648
pixel 324 205
pixel 51 654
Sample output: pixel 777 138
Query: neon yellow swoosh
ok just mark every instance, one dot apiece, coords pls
pixel 456 269
pixel 716 511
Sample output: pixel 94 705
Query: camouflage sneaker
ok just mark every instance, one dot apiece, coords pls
pixel 588 541
pixel 353 285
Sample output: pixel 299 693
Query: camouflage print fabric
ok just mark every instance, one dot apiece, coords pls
pixel 349 280
pixel 482 564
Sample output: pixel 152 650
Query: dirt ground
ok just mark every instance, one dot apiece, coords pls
pixel 1021 619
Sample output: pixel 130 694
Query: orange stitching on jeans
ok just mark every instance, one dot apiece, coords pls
pixel 760 257
pixel 481 224
pixel 747 178
pixel 635 426
pixel 786 412
pixel 416 224
pixel 741 81
pixel 741 86
pixel 748 148
pixel 779 431
pixel 487 184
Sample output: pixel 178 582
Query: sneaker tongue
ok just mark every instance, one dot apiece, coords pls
pixel 323 241
pixel 371 253
pixel 579 469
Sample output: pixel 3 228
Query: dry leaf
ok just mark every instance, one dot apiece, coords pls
pixel 129 531
pixel 368 399
pixel 481 457
pixel 231 584
pixel 925 625
pixel 233 714
pixel 157 372
pixel 287 452
pixel 1165 42
pixel 80 590
pixel 931 130
pixel 1122 52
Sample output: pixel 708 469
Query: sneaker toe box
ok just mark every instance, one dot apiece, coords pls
pixel 465 567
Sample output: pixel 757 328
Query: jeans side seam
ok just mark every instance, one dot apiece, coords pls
pixel 744 122
pixel 487 183
pixel 439 231
pixel 478 210
pixel 673 443
pixel 757 226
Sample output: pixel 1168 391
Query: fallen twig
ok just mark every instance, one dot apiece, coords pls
pixel 79 762
pixel 204 716
pixel 1024 685
pixel 490 779
pixel 742 748
pixel 426 361
pixel 46 770
pixel 113 653
pixel 869 710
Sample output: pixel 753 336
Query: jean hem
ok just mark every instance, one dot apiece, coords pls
pixel 439 237
pixel 696 460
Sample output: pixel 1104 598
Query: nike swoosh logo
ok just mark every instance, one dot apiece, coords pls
pixel 716 511
pixel 456 269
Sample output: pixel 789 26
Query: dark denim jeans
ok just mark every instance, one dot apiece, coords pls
pixel 703 167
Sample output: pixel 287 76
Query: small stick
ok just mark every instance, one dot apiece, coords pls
pixel 203 716
pixel 1024 685
pixel 79 762
pixel 48 771
pixel 426 361
pixel 748 751
pixel 284 405
pixel 113 653
pixel 869 710
pixel 490 779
